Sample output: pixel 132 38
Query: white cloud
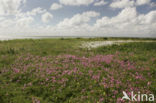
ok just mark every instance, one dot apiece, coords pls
pixel 46 17
pixel 32 13
pixel 36 11
pixel 9 7
pixel 122 3
pixel 128 23
pixel 5 23
pixel 17 23
pixel 143 2
pixel 55 6
pixel 24 22
pixel 129 3
pixel 126 15
pixel 100 3
pixel 153 4
pixel 2 18
pixel 78 19
pixel 76 2
pixel 148 18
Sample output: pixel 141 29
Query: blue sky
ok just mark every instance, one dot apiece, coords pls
pixel 132 18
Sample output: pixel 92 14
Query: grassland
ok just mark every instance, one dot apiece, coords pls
pixel 60 71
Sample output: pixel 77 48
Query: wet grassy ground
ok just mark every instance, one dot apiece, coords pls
pixel 59 71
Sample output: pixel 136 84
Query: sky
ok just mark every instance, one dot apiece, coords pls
pixel 106 18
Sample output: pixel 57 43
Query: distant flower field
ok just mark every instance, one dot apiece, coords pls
pixel 98 76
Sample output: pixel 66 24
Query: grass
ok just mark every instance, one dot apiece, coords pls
pixel 59 71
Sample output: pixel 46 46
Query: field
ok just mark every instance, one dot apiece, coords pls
pixel 61 71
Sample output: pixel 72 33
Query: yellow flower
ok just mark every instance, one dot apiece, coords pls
pixel 104 93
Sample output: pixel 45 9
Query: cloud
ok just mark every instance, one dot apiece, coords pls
pixel 55 6
pixel 10 7
pixel 17 23
pixel 5 23
pixel 24 22
pixel 46 17
pixel 153 4
pixel 148 18
pixel 78 19
pixel 126 15
pixel 122 3
pixel 100 3
pixel 36 11
pixel 76 2
pixel 128 23
pixel 129 3
pixel 142 2
pixel 2 18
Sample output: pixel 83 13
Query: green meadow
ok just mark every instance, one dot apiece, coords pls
pixel 61 71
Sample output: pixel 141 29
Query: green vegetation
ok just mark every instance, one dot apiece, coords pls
pixel 60 71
